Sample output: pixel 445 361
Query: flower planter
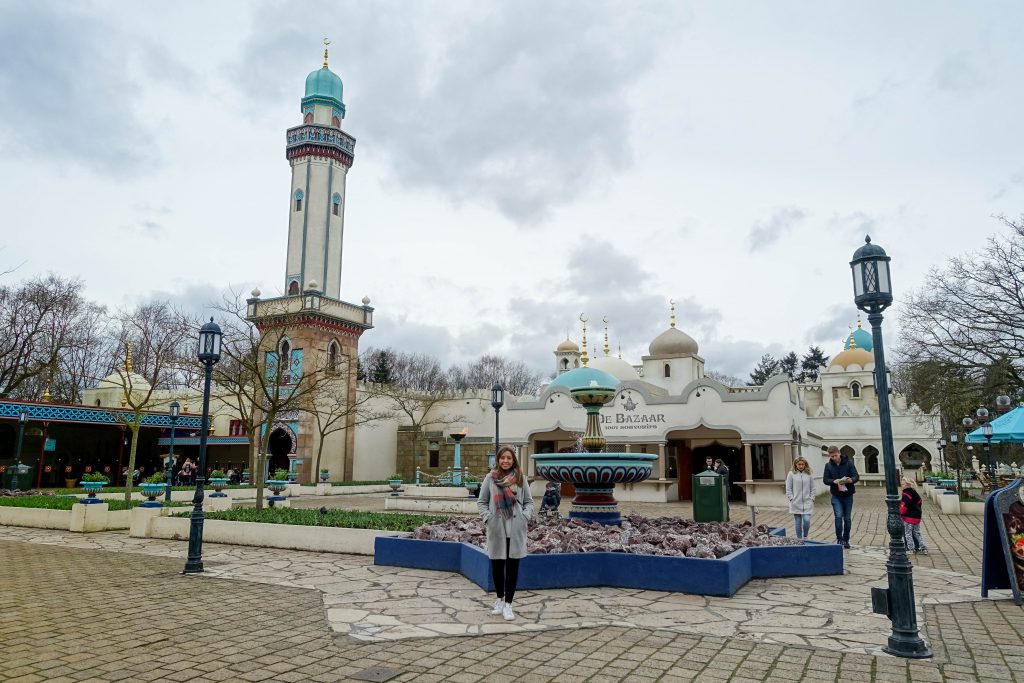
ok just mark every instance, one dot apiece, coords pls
pixel 324 476
pixel 395 485
pixel 91 489
pixel 276 486
pixel 218 484
pixel 473 487
pixel 151 491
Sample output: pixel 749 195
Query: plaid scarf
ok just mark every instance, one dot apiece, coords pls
pixel 504 494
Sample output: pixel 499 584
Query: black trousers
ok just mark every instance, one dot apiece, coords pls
pixel 506 574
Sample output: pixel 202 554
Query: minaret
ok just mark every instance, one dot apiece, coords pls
pixel 320 154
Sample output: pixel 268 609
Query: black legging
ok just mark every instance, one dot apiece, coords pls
pixel 505 573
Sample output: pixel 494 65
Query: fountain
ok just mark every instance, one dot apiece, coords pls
pixel 593 472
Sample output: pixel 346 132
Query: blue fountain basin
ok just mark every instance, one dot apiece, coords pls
pixel 721 577
pixel 594 468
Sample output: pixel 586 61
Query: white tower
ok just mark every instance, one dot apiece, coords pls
pixel 320 154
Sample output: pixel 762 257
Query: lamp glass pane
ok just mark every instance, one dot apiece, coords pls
pixel 871 277
pixel 858 279
pixel 884 285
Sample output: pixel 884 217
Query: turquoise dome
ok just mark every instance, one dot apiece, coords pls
pixel 324 84
pixel 582 377
pixel 863 339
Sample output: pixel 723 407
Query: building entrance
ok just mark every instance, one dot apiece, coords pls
pixel 733 459
pixel 279 446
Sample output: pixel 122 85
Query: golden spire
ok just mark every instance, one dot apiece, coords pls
pixel 46 394
pixel 584 358
pixel 128 357
pixel 853 340
pixel 605 319
pixel 858 321
pixel 326 43
pixel 672 322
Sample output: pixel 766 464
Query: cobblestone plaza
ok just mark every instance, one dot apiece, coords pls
pixel 106 607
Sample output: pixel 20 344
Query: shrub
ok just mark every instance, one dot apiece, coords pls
pixel 218 474
pixel 156 478
pixel 395 476
pixel 470 479
pixel 350 519
pixel 96 476
pixel 280 474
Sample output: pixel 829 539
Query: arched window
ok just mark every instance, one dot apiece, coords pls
pixel 298 200
pixel 308 118
pixel 855 390
pixel 98 402
pixel 293 288
pixel 285 355
pixel 336 122
pixel 565 363
pixel 668 370
pixel 336 204
pixel 333 353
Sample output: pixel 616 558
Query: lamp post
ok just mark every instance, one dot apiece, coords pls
pixel 497 401
pixel 872 289
pixel 16 470
pixel 209 353
pixel 941 445
pixel 174 409
pixel 954 439
pixel 986 429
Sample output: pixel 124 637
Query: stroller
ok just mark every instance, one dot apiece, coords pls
pixel 552 499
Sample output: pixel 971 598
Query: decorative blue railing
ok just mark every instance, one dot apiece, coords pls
pixel 84 414
pixel 311 133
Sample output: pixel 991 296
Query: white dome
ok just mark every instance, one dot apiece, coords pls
pixel 122 381
pixel 673 342
pixel 616 367
pixel 568 346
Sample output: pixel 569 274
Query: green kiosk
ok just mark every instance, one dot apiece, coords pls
pixel 710 497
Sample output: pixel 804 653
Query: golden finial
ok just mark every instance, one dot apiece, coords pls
pixel 605 319
pixel 858 322
pixel 46 394
pixel 584 358
pixel 326 43
pixel 853 341
pixel 672 322
pixel 128 357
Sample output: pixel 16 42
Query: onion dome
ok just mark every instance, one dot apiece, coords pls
pixel 616 367
pixel 859 339
pixel 568 346
pixel 673 342
pixel 584 377
pixel 854 356
pixel 323 86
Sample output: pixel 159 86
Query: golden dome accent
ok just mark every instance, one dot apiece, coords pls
pixel 853 356
pixel 568 346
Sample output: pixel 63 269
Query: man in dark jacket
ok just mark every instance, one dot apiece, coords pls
pixel 840 476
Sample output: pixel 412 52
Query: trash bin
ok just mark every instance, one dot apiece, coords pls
pixel 710 497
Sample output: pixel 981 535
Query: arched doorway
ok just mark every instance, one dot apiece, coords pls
pixel 730 455
pixel 279 445
pixel 871 459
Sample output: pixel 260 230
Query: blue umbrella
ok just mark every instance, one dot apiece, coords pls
pixel 1008 428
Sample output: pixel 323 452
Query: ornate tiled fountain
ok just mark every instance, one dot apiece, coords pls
pixel 593 472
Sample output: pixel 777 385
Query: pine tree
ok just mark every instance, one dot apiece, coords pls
pixel 812 363
pixel 790 364
pixel 767 367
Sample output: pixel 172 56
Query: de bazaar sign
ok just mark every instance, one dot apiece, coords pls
pixel 626 420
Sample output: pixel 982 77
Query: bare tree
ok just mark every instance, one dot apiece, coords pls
pixel 724 378
pixel 515 376
pixel 157 343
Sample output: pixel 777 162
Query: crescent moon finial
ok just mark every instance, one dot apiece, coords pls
pixel 583 317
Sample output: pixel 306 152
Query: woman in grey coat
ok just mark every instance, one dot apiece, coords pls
pixel 800 491
pixel 506 505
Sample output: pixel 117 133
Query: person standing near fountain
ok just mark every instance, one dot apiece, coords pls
pixel 800 491
pixel 505 505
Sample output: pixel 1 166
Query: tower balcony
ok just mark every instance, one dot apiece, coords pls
pixel 317 140
pixel 310 307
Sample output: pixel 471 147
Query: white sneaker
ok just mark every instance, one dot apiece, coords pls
pixel 499 606
pixel 507 612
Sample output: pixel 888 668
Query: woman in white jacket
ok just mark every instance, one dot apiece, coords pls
pixel 800 491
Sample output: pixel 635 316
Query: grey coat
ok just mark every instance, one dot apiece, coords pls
pixel 800 491
pixel 499 529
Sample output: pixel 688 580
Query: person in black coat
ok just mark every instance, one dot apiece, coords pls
pixel 841 477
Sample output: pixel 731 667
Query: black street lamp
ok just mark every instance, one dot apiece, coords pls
pixel 954 439
pixel 209 353
pixel 986 429
pixel 23 418
pixel 872 289
pixel 497 401
pixel 941 445
pixel 174 409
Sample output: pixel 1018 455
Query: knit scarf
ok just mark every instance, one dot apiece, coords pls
pixel 504 494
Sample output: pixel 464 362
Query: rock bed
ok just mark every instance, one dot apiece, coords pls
pixel 669 536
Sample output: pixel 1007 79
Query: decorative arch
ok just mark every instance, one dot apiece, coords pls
pixel 668 370
pixel 914 455
pixel 333 356
pixel 855 389
pixel 308 118
pixel 298 200
pixel 336 204
pixel 871 459
pixel 293 288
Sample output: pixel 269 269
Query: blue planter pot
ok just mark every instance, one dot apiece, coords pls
pixel 218 484
pixel 92 488
pixel 151 491
pixel 276 485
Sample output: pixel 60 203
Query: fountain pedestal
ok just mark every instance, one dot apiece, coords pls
pixel 593 472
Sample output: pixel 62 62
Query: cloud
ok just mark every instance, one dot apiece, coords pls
pixel 767 232
pixel 485 104
pixel 884 88
pixel 856 224
pixel 957 74
pixel 70 85
pixel 833 327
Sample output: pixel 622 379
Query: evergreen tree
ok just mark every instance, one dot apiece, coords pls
pixel 790 364
pixel 767 367
pixel 381 364
pixel 812 363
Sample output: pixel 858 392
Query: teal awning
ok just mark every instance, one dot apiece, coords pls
pixel 1008 428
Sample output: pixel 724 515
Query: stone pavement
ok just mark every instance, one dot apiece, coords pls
pixel 108 607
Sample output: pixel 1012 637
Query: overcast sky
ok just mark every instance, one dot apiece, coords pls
pixel 519 163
